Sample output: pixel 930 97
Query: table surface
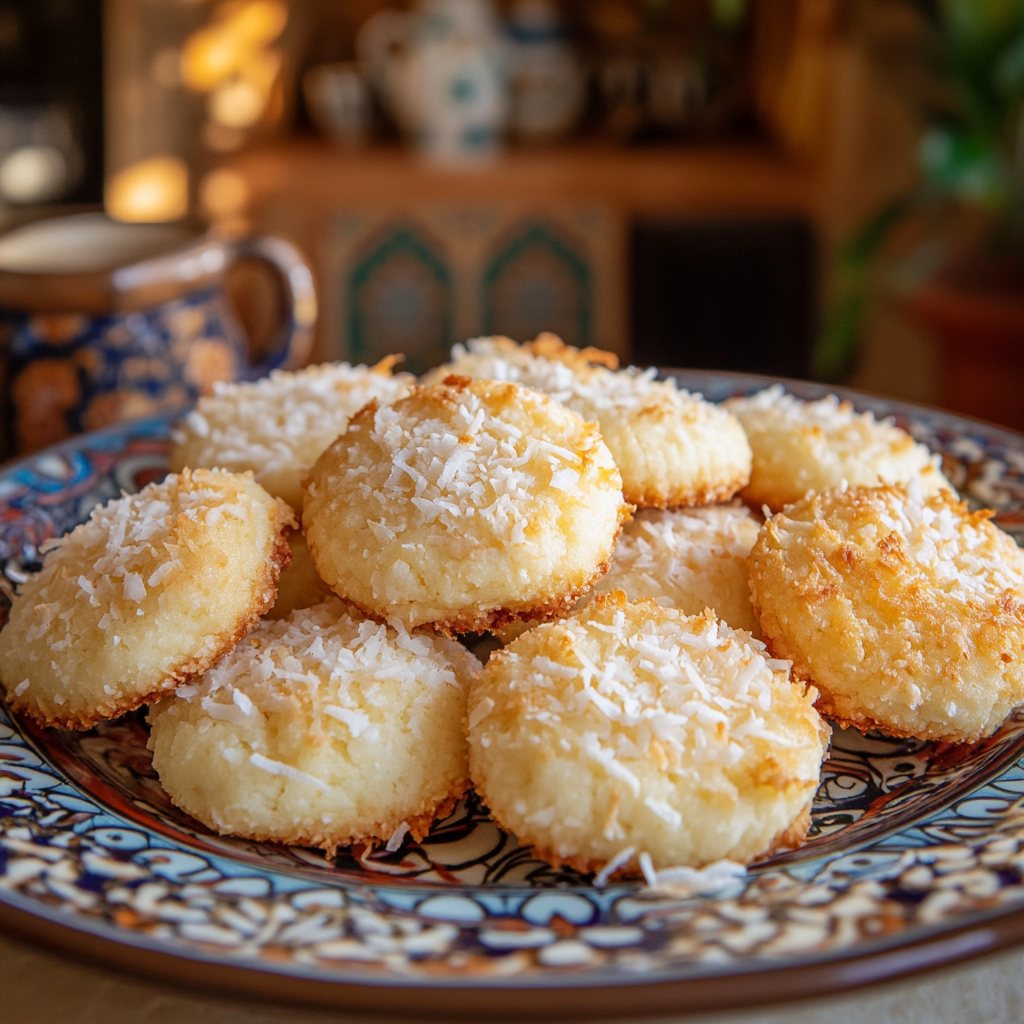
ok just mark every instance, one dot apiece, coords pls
pixel 39 987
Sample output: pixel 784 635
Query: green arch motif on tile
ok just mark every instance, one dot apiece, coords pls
pixel 400 299
pixel 536 282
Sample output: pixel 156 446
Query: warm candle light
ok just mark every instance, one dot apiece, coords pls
pixel 209 57
pixel 232 60
pixel 33 174
pixel 237 104
pixel 259 22
pixel 149 191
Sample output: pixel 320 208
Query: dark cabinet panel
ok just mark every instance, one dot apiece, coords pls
pixel 725 294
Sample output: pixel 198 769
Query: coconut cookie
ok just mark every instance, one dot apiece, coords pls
pixel 673 448
pixel 300 585
pixel 152 589
pixel 690 559
pixel 906 611
pixel 319 730
pixel 277 426
pixel 478 355
pixel 633 729
pixel 464 506
pixel 811 446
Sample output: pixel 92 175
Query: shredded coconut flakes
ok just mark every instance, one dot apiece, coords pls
pixel 592 392
pixel 129 552
pixel 286 418
pixel 688 692
pixel 469 465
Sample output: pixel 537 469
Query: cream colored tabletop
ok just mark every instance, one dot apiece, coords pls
pixel 38 987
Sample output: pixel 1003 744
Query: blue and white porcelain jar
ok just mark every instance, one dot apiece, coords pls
pixel 443 74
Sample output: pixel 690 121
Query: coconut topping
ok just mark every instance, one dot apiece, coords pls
pixel 321 658
pixel 838 433
pixel 684 691
pixel 671 548
pixel 130 549
pixel 466 463
pixel 961 553
pixel 287 417
pixel 286 771
pixel 687 559
pixel 395 839
pixel 589 390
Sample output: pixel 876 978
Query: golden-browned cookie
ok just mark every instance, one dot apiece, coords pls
pixel 277 426
pixel 906 611
pixel 690 559
pixel 673 448
pixel 464 506
pixel 153 589
pixel 811 446
pixel 632 727
pixel 477 354
pixel 319 730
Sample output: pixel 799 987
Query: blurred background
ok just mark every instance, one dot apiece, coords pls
pixel 827 189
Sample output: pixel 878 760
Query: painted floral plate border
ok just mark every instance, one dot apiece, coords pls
pixel 916 856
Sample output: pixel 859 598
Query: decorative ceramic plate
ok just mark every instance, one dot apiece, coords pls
pixel 915 857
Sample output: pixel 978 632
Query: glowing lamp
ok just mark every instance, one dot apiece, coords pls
pixel 33 174
pixel 259 21
pixel 238 104
pixel 209 57
pixel 149 191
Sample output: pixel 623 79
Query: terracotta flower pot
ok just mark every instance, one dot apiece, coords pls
pixel 978 321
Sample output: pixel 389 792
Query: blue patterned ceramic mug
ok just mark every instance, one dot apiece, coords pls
pixel 102 321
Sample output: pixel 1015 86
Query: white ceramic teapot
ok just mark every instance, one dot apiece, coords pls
pixel 442 73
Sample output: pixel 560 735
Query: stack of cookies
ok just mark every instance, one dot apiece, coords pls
pixel 677 593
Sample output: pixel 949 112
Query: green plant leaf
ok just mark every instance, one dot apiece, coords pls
pixel 963 165
pixel 1008 74
pixel 843 322
pixel 975 49
pixel 865 245
pixel 979 24
pixel 839 339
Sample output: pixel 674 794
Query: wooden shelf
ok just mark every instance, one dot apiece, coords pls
pixel 677 180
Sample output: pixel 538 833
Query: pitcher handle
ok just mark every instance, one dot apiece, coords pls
pixel 296 338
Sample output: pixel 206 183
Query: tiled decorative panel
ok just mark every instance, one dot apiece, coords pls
pixel 398 296
pixel 539 280
pixel 417 279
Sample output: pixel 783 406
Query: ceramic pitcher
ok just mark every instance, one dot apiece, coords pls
pixel 442 72
pixel 101 321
